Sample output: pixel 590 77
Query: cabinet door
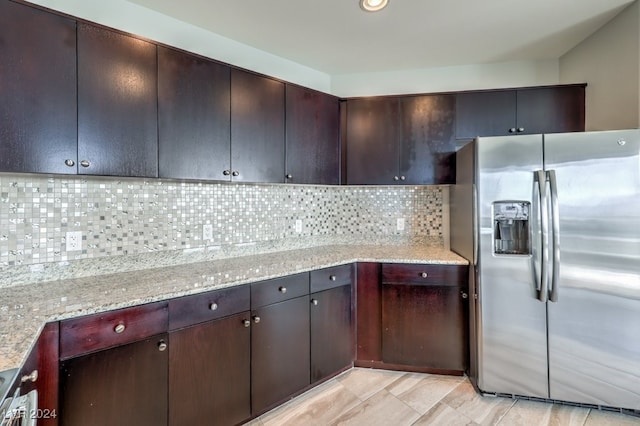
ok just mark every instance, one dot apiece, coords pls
pixel 372 141
pixel 331 332
pixel 491 113
pixel 257 128
pixel 210 373
pixel 43 358
pixel 369 315
pixel 312 137
pixel 117 104
pixel 194 123
pixel 424 325
pixel 126 385
pixel 550 110
pixel 38 123
pixel 427 143
pixel 279 352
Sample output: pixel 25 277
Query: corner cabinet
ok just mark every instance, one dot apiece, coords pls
pixel 400 140
pixel 117 104
pixel 38 110
pixel 533 110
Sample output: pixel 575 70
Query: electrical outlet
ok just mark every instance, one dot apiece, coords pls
pixel 207 232
pixel 74 240
pixel 298 225
pixel 400 224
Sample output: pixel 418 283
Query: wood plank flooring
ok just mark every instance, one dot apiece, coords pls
pixel 370 397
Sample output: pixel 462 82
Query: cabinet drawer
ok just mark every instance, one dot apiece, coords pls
pixel 104 330
pixel 202 307
pixel 272 291
pixel 336 276
pixel 445 275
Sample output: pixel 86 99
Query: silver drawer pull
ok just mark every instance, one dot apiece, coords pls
pixel 314 302
pixel 246 323
pixel 162 346
pixel 119 328
pixel 282 289
pixel 213 306
pixel 256 319
pixel 85 163
pixel 424 275
pixel 30 377
pixel 332 277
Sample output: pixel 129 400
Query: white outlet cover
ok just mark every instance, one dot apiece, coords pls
pixel 207 232
pixel 400 224
pixel 298 226
pixel 73 240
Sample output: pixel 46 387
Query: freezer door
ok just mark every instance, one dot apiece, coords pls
pixel 594 327
pixel 512 339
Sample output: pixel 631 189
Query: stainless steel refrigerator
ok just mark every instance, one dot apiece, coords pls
pixel 551 226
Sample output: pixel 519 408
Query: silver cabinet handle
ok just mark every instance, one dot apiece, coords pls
pixel 555 241
pixel 396 178
pixel 332 277
pixel 256 319
pixel 402 178
pixel 162 346
pixel 541 180
pixel 512 130
pixel 119 328
pixel 226 172
pixel 424 275
pixel 314 302
pixel 288 176
pixel 464 295
pixel 282 290
pixel 520 129
pixel 246 323
pixel 213 306
pixel 235 173
pixel 85 163
pixel 30 377
pixel 69 162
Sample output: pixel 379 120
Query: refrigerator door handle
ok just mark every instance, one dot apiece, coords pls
pixel 555 224
pixel 543 291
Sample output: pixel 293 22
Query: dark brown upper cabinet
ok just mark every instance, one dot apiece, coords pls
pixel 372 141
pixel 401 140
pixel 312 137
pixel 257 128
pixel 117 104
pixel 38 111
pixel 194 117
pixel 523 111
pixel 427 139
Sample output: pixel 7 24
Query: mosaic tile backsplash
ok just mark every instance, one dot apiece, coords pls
pixel 136 217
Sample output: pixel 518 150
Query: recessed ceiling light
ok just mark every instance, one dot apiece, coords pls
pixel 373 5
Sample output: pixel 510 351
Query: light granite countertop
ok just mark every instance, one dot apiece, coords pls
pixel 25 309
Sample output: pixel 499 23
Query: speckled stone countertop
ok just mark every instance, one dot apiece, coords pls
pixel 25 309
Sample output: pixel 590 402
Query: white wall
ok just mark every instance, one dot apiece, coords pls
pixel 445 79
pixel 609 61
pixel 135 19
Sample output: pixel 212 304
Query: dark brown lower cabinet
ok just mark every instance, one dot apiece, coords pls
pixel 209 373
pixel 331 332
pixel 279 352
pixel 126 385
pixel 424 317
pixel 425 326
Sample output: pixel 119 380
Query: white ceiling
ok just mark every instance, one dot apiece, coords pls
pixel 336 37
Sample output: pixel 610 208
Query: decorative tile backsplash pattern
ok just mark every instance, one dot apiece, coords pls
pixel 135 216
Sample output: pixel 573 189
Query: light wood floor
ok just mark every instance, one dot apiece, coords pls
pixel 376 397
